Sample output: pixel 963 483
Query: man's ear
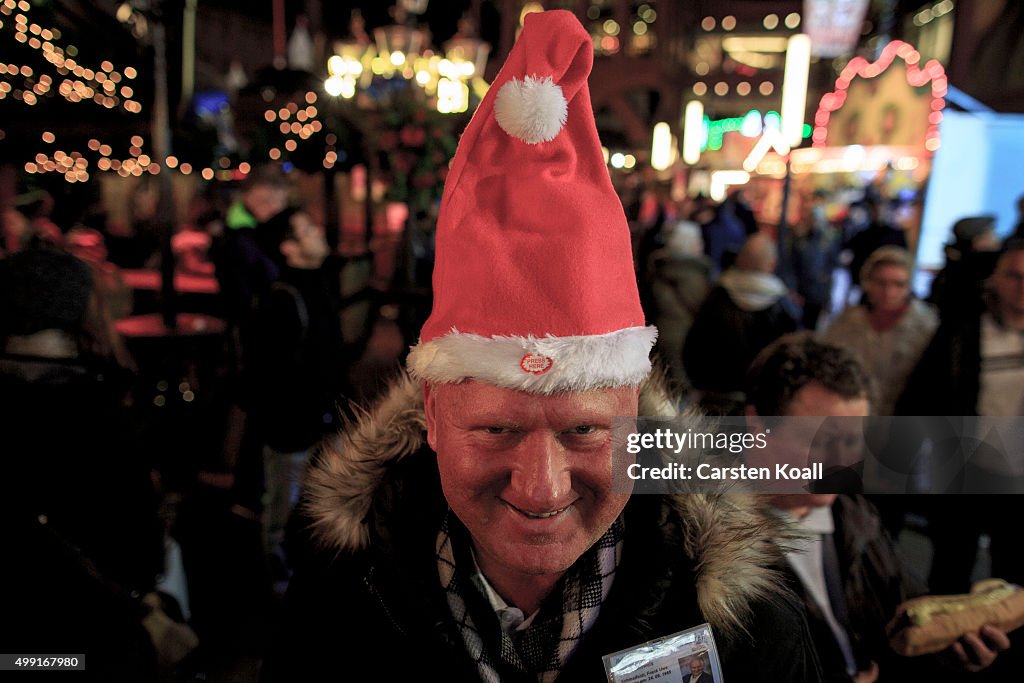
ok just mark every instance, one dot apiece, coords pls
pixel 430 413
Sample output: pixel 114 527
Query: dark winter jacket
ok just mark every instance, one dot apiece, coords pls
pixel 295 367
pixel 875 583
pixel 806 263
pixel 246 265
pixel 82 532
pixel 369 605
pixel 947 379
pixel 678 288
pixel 742 315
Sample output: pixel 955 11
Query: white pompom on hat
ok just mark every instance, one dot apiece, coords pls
pixel 532 109
pixel 534 287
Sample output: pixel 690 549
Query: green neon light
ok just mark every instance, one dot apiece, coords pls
pixel 717 129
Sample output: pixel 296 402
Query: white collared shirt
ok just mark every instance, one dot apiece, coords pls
pixel 805 555
pixel 511 618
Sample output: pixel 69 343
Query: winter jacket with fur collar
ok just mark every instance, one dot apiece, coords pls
pixel 368 605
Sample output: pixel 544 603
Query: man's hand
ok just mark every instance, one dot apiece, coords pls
pixel 868 675
pixel 976 651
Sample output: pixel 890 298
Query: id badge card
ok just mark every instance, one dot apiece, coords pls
pixel 689 656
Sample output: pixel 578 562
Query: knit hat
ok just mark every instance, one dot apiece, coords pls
pixel 41 289
pixel 534 287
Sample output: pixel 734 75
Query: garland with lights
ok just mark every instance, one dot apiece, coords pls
pixel 916 76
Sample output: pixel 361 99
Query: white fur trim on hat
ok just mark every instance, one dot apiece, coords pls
pixel 543 365
pixel 533 109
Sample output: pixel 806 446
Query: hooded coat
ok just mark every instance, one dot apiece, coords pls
pixel 744 313
pixel 367 604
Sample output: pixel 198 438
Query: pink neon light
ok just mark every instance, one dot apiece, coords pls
pixel 916 77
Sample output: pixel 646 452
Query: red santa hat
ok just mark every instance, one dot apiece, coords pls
pixel 534 287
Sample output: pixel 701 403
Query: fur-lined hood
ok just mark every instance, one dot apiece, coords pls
pixel 729 537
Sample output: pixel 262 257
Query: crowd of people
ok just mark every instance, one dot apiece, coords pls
pixel 466 523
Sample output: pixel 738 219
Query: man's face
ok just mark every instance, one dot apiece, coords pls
pixel 265 201
pixel 529 475
pixel 696 667
pixel 832 443
pixel 1008 283
pixel 310 241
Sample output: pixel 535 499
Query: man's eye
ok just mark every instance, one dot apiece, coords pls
pixel 584 429
pixel 497 430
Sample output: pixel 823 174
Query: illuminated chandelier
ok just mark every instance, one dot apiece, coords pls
pixel 403 50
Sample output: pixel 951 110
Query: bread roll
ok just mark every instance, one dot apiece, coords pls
pixel 934 622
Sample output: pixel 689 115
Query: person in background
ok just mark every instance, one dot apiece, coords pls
pixel 725 234
pixel 20 232
pixel 844 563
pixel 85 539
pixel 970 259
pixel 680 280
pixel 113 297
pixel 245 260
pixel 890 330
pixel 974 366
pixel 747 310
pixel 296 371
pixel 879 232
pixel 37 207
pixel 888 333
pixel 807 257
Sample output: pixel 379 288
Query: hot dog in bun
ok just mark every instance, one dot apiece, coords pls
pixel 934 622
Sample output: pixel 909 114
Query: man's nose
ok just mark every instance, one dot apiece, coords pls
pixel 541 478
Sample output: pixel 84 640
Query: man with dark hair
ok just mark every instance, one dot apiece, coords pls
pixel 797 361
pixel 844 564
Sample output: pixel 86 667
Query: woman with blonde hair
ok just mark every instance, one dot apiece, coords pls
pixel 890 329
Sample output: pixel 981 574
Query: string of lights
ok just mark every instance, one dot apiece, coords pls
pixel 296 122
pixel 105 85
pixel 299 120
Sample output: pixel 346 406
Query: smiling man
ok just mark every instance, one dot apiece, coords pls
pixel 468 524
pixel 530 479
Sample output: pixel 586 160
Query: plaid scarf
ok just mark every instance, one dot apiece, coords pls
pixel 543 648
